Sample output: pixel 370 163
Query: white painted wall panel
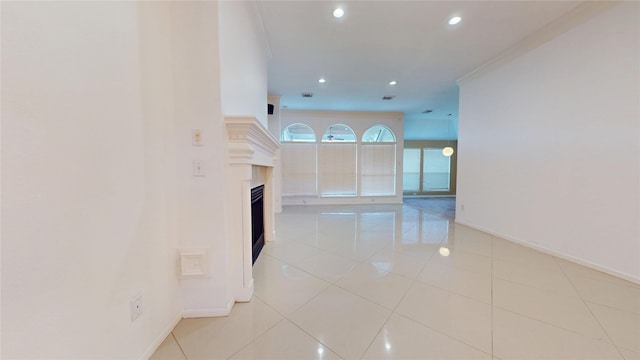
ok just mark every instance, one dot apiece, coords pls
pixel 88 180
pixel 549 145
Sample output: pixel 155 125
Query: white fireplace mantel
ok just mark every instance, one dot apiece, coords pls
pixel 248 144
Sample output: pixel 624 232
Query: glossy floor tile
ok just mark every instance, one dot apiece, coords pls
pixel 519 337
pixel 346 323
pixel 407 282
pixel 285 341
pixel 403 338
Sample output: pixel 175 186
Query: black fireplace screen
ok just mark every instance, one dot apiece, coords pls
pixel 257 220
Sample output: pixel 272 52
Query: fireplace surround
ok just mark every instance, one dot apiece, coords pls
pixel 250 147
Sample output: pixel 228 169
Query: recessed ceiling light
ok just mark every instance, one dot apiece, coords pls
pixel 322 81
pixel 338 13
pixel 392 82
pixel 454 20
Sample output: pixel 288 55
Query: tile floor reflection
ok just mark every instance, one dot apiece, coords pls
pixel 404 282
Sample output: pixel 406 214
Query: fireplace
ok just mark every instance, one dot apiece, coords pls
pixel 251 154
pixel 257 221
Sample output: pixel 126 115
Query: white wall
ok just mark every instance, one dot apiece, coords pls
pixel 88 167
pixel 243 61
pixel 197 94
pixel 549 145
pixel 359 122
pixel 98 103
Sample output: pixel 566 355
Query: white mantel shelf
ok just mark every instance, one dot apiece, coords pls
pixel 249 142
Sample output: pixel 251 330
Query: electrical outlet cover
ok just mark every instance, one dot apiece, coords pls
pixel 136 307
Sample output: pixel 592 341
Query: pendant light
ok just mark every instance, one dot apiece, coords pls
pixel 448 151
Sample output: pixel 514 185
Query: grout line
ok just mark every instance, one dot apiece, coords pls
pixel 575 332
pixel 454 293
pixel 491 284
pixel 376 335
pixel 257 337
pixel 442 333
pixel 179 346
pixel 303 304
pixel 590 311
pixel 314 338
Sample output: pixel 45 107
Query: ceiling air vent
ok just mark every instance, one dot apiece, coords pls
pixel 427 111
pixel 307 95
pixel 388 97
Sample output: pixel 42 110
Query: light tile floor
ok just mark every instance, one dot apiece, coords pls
pixel 406 283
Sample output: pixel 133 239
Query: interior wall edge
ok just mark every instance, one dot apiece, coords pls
pixel 160 338
pixel 552 252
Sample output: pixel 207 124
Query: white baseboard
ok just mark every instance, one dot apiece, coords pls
pixel 211 312
pixel 556 253
pixel 163 335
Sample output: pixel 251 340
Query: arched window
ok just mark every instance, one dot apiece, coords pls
pixel 298 155
pixel 378 163
pixel 339 133
pixel 337 166
pixel 298 133
pixel 378 133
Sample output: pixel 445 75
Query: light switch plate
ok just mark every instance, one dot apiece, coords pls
pixel 198 168
pixel 196 137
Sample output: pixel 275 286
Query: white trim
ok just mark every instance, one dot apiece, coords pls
pixel 153 347
pixel 578 15
pixel 211 312
pixel 245 294
pixel 250 142
pixel 555 253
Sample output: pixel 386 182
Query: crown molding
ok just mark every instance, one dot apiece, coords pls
pixel 578 15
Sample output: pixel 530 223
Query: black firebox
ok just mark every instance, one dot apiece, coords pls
pixel 257 220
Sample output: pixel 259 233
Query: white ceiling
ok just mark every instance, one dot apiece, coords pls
pixel 379 41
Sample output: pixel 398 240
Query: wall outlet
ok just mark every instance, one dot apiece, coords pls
pixel 136 307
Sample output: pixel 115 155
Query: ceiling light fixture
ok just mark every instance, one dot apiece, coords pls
pixel 392 82
pixel 338 13
pixel 322 81
pixel 454 20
